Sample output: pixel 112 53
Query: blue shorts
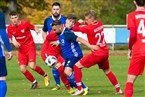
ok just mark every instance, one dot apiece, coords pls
pixel 70 62
pixel 3 69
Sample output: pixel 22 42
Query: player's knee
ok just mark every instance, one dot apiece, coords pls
pixel 67 72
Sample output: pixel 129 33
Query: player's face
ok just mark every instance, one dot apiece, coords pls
pixel 70 23
pixel 14 19
pixel 57 29
pixel 89 20
pixel 56 11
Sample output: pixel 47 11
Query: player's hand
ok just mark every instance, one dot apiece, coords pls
pixel 16 44
pixel 10 55
pixel 81 21
pixel 94 47
pixel 129 54
pixel 37 30
pixel 54 43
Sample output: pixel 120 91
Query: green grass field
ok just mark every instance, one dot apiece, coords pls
pixel 19 86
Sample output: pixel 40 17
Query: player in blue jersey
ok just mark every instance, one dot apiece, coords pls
pixel 47 29
pixel 3 40
pixel 71 50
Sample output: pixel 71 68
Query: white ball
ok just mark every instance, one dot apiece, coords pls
pixel 51 61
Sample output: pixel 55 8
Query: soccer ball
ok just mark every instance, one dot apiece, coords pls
pixel 51 61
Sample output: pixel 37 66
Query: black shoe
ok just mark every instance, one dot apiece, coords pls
pixel 35 85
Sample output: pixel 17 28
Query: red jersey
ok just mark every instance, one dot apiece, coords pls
pixel 52 36
pixel 94 33
pixel 136 20
pixel 22 34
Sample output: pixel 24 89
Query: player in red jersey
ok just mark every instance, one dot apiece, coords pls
pixel 94 30
pixel 136 52
pixel 20 30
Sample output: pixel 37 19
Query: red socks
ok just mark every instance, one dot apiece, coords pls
pixel 63 77
pixel 113 80
pixel 39 70
pixel 128 89
pixel 78 77
pixel 29 76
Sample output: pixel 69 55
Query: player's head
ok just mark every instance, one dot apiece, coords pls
pixel 14 17
pixel 140 3
pixel 57 27
pixel 90 16
pixel 56 9
pixel 70 21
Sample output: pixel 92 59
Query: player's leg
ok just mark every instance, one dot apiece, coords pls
pixel 60 68
pixel 33 66
pixel 22 59
pixel 104 65
pixel 3 74
pixel 136 68
pixel 129 85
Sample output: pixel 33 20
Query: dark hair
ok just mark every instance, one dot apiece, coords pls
pixel 71 16
pixel 140 2
pixel 56 4
pixel 56 22
pixel 91 13
pixel 13 13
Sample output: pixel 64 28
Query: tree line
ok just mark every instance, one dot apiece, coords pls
pixel 35 11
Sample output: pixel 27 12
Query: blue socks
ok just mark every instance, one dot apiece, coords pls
pixel 3 88
pixel 56 75
pixel 73 82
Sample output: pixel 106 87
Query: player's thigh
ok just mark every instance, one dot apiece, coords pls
pixel 104 63
pixel 31 55
pixel 136 66
pixel 22 59
pixel 90 60
pixel 3 69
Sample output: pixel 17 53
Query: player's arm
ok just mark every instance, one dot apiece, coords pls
pixel 4 35
pixel 45 29
pixel 14 42
pixel 32 27
pixel 71 37
pixel 79 28
pixel 132 40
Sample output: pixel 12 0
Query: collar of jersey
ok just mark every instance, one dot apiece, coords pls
pixel 55 18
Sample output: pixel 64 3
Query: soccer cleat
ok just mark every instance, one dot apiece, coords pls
pixel 86 90
pixel 78 92
pixel 35 85
pixel 119 93
pixel 57 87
pixel 71 91
pixel 46 80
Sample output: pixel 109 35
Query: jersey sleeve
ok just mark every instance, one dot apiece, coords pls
pixel 30 26
pixel 70 36
pixel 9 32
pixel 130 21
pixel 45 28
pixel 3 34
pixel 83 29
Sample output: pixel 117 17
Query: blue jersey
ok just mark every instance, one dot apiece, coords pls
pixel 3 36
pixel 70 47
pixel 48 22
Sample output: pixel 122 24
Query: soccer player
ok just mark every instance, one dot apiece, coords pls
pixel 56 9
pixel 71 50
pixel 45 52
pixel 3 70
pixel 94 31
pixel 136 52
pixel 20 30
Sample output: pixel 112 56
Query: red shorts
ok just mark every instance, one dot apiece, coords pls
pixel 137 65
pixel 93 59
pixel 27 56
